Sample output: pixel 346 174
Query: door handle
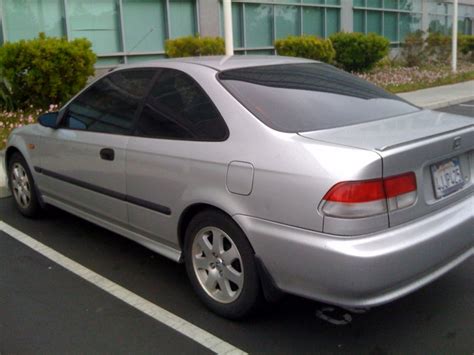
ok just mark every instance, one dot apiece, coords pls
pixel 107 154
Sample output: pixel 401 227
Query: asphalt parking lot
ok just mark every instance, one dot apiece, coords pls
pixel 45 308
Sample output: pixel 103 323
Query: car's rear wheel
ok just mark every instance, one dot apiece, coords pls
pixel 22 186
pixel 221 266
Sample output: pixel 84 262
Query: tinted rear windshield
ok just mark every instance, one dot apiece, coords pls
pixel 310 96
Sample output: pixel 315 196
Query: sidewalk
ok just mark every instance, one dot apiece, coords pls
pixel 441 96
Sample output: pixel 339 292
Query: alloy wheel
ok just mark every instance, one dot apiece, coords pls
pixel 21 185
pixel 218 264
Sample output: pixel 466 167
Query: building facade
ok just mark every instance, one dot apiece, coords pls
pixel 127 31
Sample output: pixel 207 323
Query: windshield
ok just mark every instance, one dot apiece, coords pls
pixel 310 96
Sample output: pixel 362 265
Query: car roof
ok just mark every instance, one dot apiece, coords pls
pixel 221 63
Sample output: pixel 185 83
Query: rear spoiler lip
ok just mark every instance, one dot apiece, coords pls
pixel 393 146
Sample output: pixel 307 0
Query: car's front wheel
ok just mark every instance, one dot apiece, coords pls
pixel 22 186
pixel 221 266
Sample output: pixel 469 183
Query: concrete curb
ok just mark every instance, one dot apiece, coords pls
pixel 4 190
pixel 441 96
pixel 447 103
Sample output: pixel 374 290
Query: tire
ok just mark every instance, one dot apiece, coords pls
pixel 224 274
pixel 22 186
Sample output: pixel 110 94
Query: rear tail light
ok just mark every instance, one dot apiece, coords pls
pixel 357 199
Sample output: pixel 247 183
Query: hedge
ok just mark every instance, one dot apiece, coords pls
pixel 194 46
pixel 359 52
pixel 310 47
pixel 420 48
pixel 45 70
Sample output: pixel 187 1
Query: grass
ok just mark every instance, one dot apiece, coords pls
pixel 452 79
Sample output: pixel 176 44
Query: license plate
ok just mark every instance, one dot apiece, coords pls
pixel 447 177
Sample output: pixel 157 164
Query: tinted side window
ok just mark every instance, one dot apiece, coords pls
pixel 178 108
pixel 110 104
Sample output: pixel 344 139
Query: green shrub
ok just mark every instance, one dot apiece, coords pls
pixel 466 45
pixel 6 102
pixel 359 52
pixel 438 47
pixel 435 48
pixel 45 71
pixel 310 47
pixel 194 46
pixel 413 49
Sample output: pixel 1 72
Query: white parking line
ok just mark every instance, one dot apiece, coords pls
pixel 180 325
pixel 466 105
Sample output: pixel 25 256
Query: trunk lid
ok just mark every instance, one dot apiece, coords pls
pixel 415 142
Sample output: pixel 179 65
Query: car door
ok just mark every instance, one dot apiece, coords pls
pixel 83 161
pixel 177 122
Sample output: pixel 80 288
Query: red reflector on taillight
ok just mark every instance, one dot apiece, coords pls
pixel 356 191
pixel 399 185
pixel 357 199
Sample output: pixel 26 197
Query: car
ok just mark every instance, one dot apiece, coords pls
pixel 265 175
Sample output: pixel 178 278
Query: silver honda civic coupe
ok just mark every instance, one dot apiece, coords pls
pixel 264 175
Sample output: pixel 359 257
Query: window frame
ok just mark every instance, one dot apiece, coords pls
pixel 162 70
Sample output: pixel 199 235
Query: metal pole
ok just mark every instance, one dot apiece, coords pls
pixel 455 37
pixel 228 35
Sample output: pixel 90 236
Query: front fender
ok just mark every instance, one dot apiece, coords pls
pixel 27 145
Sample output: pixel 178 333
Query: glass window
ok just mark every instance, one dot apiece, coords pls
pixel 313 21
pixel 405 25
pixel 466 26
pixel 261 52
pixel 409 24
pixel 319 2
pixel 265 22
pixel 177 108
pixel 97 20
pixel 374 22
pixel 145 26
pixel 182 18
pixel 390 4
pixel 390 26
pixel 441 24
pixel 237 18
pixel 332 21
pixel 359 21
pixel 144 58
pixel 109 61
pixel 440 16
pixel 374 3
pixel 284 97
pixel 109 106
pixel 395 20
pixel 287 21
pixel 410 5
pixel 237 25
pixel 25 19
pixel 259 25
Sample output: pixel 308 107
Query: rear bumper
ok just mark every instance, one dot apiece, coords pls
pixel 364 271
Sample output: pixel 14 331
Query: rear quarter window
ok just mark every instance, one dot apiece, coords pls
pixel 309 97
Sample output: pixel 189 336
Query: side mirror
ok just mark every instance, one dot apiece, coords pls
pixel 49 119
